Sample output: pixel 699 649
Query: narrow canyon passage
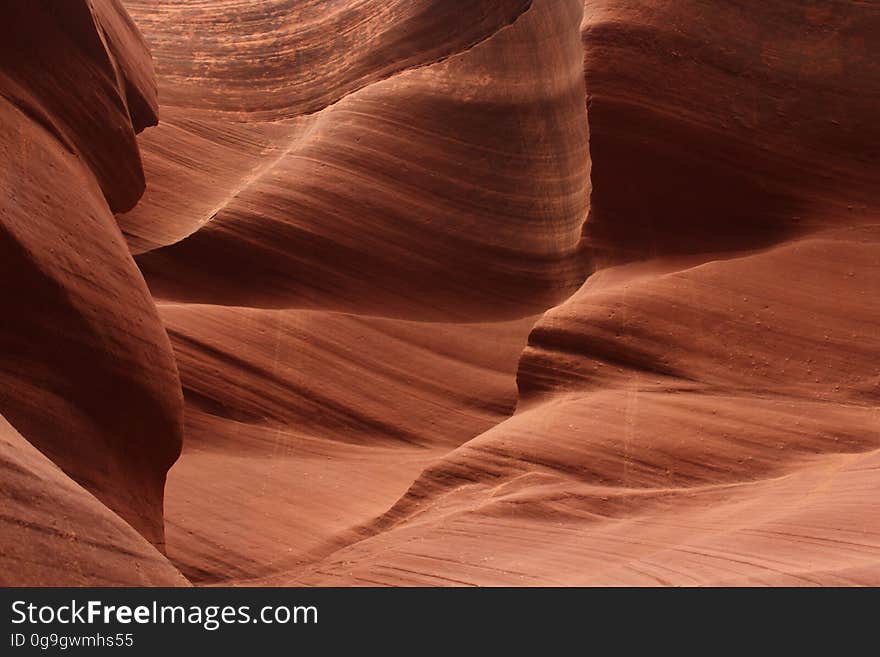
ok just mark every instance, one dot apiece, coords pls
pixel 375 320
pixel 518 293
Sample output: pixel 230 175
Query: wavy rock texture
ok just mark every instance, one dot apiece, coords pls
pixel 54 533
pixel 366 230
pixel 282 58
pixel 392 202
pixel 704 413
pixel 450 191
pixel 721 126
pixel 86 370
pixel 715 424
pixel 50 52
pixel 224 113
pixel 301 424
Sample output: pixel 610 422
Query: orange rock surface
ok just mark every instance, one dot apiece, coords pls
pixel 508 292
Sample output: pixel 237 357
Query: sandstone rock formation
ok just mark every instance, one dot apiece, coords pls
pixel 500 292
pixel 87 372
pixel 54 533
